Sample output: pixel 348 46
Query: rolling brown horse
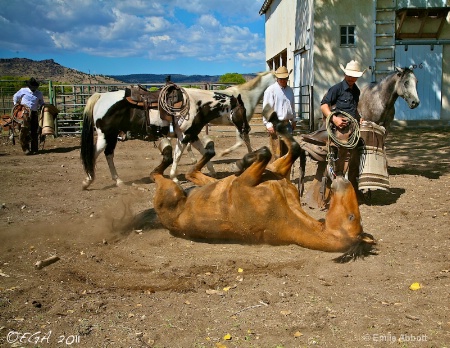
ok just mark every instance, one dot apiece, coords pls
pixel 258 206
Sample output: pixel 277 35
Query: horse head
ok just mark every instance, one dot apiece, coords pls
pixel 407 86
pixel 343 221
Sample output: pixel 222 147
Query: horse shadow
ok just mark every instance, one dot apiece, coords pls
pixel 60 149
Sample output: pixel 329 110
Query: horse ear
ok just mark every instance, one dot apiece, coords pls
pixel 399 70
pixel 239 99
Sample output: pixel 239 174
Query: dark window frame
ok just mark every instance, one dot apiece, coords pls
pixel 347 35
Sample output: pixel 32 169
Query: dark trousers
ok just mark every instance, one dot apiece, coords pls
pixel 29 133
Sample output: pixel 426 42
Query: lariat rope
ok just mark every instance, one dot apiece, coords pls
pixel 354 136
pixel 349 144
pixel 181 111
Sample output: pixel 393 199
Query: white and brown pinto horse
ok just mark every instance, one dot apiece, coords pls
pixel 250 92
pixel 258 205
pixel 109 113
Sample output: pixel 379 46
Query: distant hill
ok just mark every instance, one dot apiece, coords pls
pixel 176 78
pixel 48 69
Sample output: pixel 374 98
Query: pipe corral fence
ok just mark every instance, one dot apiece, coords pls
pixel 70 99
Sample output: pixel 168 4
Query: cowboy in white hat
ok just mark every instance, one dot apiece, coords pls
pixel 339 107
pixel 344 96
pixel 280 97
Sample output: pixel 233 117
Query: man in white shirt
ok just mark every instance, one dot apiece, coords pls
pixel 280 97
pixel 31 97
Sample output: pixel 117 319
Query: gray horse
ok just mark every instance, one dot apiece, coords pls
pixel 377 100
pixel 376 104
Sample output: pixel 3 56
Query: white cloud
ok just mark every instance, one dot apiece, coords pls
pixel 159 29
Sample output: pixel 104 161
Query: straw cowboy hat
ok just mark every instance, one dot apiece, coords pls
pixel 282 72
pixel 353 69
pixel 32 83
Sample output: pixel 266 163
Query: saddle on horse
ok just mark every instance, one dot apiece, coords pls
pixel 142 97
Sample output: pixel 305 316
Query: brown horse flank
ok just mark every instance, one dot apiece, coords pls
pixel 258 206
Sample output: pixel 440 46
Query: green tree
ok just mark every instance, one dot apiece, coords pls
pixel 232 78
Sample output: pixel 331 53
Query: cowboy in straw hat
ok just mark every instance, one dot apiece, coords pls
pixel 33 99
pixel 352 69
pixel 279 97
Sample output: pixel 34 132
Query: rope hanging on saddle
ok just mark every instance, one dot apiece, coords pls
pixel 170 108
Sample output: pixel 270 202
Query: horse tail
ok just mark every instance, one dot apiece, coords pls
pixel 87 153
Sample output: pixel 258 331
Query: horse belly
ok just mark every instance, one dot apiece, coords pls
pixel 224 119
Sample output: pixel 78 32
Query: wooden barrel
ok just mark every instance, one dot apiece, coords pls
pixel 373 174
pixel 47 119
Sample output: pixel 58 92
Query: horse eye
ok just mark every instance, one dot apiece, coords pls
pixel 351 217
pixel 407 84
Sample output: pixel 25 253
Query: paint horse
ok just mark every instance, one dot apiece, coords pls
pixel 376 104
pixel 220 210
pixel 199 115
pixel 112 112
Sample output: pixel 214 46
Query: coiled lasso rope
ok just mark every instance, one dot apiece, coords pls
pixel 354 125
pixel 181 111
pixel 351 143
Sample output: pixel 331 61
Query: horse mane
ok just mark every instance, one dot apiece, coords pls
pixel 405 71
pixel 249 85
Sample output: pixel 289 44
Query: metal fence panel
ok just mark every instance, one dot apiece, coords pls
pixel 71 99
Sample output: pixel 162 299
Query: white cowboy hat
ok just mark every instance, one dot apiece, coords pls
pixel 282 72
pixel 353 69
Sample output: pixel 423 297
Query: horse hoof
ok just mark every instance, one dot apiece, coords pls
pixel 85 185
pixel 119 183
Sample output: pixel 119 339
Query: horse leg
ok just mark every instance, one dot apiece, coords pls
pixel 195 175
pixel 166 150
pixel 301 176
pixel 191 154
pixel 111 142
pixel 252 176
pixel 179 149
pixel 284 164
pixel 169 197
pixel 99 147
pixel 200 148
pixel 238 143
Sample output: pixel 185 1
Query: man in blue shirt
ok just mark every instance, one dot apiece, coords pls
pixel 344 96
pixel 32 98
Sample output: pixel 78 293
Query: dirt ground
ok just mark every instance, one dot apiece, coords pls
pixel 123 281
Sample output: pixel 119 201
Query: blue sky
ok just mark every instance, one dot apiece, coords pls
pixel 117 37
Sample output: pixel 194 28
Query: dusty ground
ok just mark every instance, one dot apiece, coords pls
pixel 123 281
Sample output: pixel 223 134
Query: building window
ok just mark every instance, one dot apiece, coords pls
pixel 348 35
